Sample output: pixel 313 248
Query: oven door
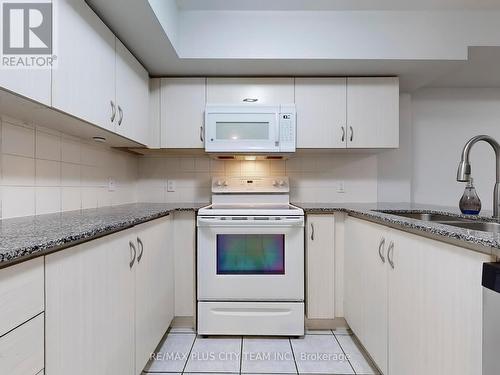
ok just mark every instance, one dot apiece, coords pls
pixel 250 258
pixel 242 132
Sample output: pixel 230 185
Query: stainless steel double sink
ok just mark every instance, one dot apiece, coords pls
pixel 455 221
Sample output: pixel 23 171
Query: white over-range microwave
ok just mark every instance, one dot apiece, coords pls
pixel 250 129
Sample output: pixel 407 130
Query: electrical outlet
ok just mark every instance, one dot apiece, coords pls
pixel 171 185
pixel 111 184
pixel 341 187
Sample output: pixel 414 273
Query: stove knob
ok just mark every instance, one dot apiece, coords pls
pixel 275 183
pixel 282 183
pixel 219 183
pixel 224 183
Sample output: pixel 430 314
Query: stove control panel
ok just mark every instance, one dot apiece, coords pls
pixel 221 185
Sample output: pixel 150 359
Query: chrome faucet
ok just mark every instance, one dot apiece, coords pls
pixel 464 169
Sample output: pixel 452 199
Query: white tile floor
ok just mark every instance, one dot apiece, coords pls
pixel 318 352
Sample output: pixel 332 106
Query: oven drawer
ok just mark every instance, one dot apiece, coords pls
pixel 251 318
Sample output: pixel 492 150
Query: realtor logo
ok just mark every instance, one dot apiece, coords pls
pixel 27 35
pixel 27 28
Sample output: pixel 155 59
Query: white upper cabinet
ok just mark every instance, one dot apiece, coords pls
pixel 182 112
pixel 31 83
pixel 373 112
pixel 132 96
pixel 83 83
pixel 321 112
pixel 248 90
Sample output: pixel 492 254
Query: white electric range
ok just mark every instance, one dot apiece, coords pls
pixel 250 260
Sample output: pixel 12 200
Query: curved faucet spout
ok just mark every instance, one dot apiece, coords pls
pixel 464 168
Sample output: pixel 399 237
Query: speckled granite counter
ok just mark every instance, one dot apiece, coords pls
pixel 27 237
pixel 485 242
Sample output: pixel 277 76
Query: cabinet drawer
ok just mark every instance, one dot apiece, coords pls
pixel 22 351
pixel 21 293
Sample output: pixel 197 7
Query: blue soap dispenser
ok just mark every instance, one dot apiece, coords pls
pixel 470 204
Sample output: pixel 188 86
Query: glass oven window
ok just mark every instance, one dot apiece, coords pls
pixel 242 130
pixel 250 254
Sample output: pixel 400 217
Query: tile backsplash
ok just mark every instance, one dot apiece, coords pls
pixel 313 178
pixel 44 171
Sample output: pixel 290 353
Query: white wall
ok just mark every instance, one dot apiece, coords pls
pixel 395 166
pixel 313 178
pixel 413 35
pixel 44 171
pixel 443 120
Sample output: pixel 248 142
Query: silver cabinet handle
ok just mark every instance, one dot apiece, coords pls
pixel 120 114
pixel 201 134
pixel 312 231
pixel 343 133
pixel 352 133
pixel 141 247
pixel 380 247
pixel 390 251
pixel 133 252
pixel 250 100
pixel 113 111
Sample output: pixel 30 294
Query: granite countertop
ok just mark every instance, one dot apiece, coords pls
pixel 27 237
pixel 484 242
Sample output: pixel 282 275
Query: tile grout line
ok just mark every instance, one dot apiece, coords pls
pixel 189 354
pixel 241 354
pixel 343 351
pixel 293 355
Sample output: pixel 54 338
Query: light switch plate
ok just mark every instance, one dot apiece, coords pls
pixel 170 185
pixel 341 187
pixel 111 184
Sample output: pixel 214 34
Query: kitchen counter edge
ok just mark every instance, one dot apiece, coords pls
pixel 483 242
pixel 28 237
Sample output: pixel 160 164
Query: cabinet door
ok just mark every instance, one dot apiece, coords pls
pixel 264 90
pixel 321 112
pixel 405 305
pixel 132 96
pixel 450 310
pixel 154 287
pixel 375 270
pixel 372 112
pixel 31 83
pixel 320 261
pixel 355 231
pixel 89 315
pixel 83 84
pixel 366 286
pixel 182 112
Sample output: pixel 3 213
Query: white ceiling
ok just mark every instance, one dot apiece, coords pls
pixel 136 25
pixel 338 4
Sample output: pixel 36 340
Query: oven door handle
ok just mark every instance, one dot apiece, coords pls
pixel 240 222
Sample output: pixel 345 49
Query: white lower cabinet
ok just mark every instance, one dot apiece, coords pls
pixel 21 350
pixel 154 287
pixel 21 318
pixel 414 303
pixel 103 302
pixel 366 286
pixel 320 265
pixel 90 308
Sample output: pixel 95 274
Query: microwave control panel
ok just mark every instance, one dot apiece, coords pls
pixel 287 131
